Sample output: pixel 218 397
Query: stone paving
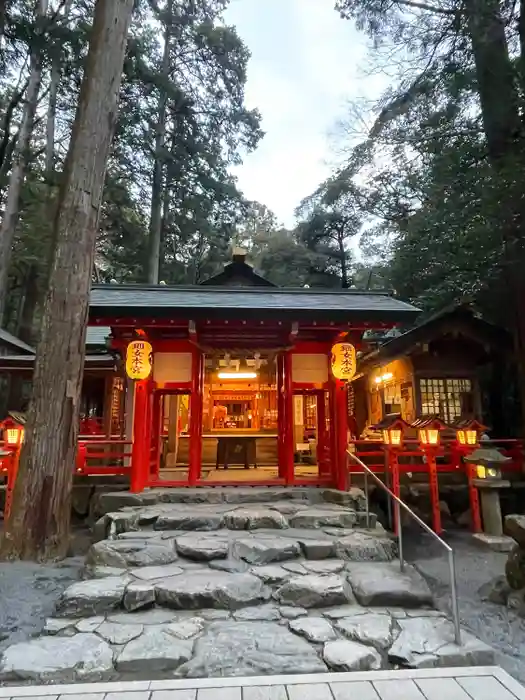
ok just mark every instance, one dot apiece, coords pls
pixel 236 582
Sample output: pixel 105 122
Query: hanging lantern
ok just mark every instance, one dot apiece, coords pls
pixel 343 361
pixel 138 359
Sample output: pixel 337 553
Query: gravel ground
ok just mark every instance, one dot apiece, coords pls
pixel 28 591
pixel 494 624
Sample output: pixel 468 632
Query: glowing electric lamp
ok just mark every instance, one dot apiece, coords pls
pixel 387 376
pixel 393 437
pixel 14 436
pixel 429 436
pixel 467 437
pixel 237 375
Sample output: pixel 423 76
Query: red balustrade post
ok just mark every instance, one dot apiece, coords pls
pixel 475 509
pixel 393 462
pixel 196 404
pixel 430 455
pixel 81 460
pixel 11 479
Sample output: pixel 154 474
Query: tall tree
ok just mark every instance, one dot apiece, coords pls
pixel 473 35
pixel 39 524
pixel 18 171
pixel 329 219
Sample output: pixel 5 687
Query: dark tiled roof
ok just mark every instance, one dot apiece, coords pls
pixel 10 362
pixel 460 318
pixel 96 335
pixel 7 338
pixel 319 303
pixel 241 270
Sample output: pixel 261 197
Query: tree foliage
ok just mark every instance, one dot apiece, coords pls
pixel 183 178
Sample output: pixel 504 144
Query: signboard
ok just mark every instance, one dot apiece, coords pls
pixel 343 361
pixel 298 410
pixel 138 359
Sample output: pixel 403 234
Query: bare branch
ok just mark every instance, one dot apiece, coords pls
pixel 426 7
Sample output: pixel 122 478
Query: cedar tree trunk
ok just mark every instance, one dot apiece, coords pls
pixel 155 223
pixel 39 524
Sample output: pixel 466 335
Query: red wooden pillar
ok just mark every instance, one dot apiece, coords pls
pixel 340 433
pixel 331 445
pixel 196 403
pixel 475 512
pixel 288 436
pixel 396 483
pixel 434 491
pixel 281 422
pixel 155 434
pixel 141 437
pixel 323 448
pixel 13 461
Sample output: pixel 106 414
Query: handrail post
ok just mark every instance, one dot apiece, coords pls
pixel 367 502
pixel 454 596
pixel 400 536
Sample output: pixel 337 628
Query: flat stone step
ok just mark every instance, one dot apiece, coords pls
pixel 161 643
pixel 252 577
pixel 167 517
pixel 112 501
pixel 240 549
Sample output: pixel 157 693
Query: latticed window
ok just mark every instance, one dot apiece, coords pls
pixel 448 398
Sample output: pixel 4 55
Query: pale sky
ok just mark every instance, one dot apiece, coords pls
pixel 305 66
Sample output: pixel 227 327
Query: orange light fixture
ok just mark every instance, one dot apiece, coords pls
pixel 343 361
pixel 393 437
pixel 467 437
pixel 237 375
pixel 14 436
pixel 138 359
pixel 429 437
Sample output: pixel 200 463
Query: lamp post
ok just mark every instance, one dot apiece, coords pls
pixel 467 441
pixel 429 435
pixel 14 433
pixel 393 430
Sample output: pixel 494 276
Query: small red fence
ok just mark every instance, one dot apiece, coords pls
pixel 449 456
pixel 112 457
pixel 104 457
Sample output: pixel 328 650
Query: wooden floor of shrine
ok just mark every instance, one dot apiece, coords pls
pixel 265 470
pixel 237 473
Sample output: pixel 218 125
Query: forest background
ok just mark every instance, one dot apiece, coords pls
pixel 428 199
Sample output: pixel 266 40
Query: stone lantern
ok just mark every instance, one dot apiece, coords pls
pixel 486 464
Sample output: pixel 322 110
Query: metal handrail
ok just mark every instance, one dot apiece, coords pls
pixel 398 505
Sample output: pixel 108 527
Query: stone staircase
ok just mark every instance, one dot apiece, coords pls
pixel 237 582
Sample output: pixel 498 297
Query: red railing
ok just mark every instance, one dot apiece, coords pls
pixel 449 456
pixel 104 457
